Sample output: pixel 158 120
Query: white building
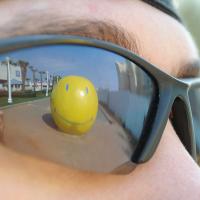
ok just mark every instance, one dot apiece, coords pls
pixel 15 75
pixel 132 78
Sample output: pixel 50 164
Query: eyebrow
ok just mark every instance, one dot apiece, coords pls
pixel 190 69
pixel 107 31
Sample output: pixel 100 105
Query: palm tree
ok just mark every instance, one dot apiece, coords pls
pixel 23 65
pixel 50 82
pixel 41 79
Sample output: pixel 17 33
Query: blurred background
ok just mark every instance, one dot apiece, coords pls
pixel 189 10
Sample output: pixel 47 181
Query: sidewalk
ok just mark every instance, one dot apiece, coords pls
pixel 29 128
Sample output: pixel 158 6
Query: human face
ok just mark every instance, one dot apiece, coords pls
pixel 174 49
pixel 163 41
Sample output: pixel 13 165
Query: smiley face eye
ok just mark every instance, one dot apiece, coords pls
pixel 86 90
pixel 67 87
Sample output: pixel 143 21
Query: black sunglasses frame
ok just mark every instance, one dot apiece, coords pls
pixel 171 93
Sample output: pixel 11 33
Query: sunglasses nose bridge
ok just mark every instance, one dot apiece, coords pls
pixel 181 112
pixel 181 119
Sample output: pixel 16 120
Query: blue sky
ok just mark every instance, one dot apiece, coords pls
pixel 95 64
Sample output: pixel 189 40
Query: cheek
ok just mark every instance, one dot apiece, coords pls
pixel 1 126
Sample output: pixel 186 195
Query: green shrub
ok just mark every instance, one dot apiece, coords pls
pixel 18 94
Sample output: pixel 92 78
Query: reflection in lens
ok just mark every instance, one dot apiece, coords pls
pixel 28 79
pixel 74 112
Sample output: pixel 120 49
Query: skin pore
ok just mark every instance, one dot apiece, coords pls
pixel 171 173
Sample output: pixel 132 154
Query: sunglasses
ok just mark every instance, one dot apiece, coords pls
pixel 91 104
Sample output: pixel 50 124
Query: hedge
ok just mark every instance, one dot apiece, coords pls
pixel 18 94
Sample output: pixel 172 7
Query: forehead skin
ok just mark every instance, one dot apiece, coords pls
pixel 160 39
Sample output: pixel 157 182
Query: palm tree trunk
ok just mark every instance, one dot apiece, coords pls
pixel 23 65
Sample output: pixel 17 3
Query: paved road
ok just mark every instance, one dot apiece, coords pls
pixel 29 128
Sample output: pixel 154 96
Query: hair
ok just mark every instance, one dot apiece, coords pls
pixel 166 6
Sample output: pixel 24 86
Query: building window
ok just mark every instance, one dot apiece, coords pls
pixel 17 73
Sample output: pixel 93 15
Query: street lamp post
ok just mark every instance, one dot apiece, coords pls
pixel 9 81
pixel 50 82
pixel 47 89
pixel 41 79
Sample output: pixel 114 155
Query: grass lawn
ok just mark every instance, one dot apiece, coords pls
pixel 4 100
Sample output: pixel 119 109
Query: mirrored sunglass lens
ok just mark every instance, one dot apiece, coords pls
pixel 80 106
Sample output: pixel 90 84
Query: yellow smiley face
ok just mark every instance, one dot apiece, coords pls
pixel 74 105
